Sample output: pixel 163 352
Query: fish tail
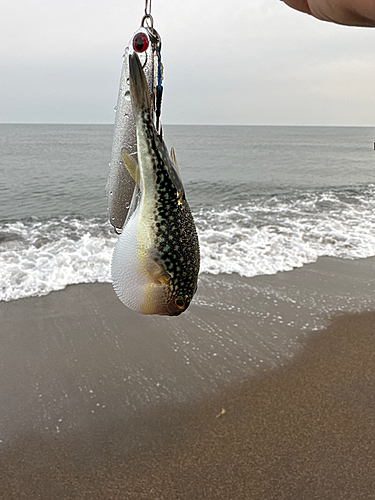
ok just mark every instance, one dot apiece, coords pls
pixel 138 85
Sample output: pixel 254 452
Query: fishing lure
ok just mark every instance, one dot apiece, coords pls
pixel 146 42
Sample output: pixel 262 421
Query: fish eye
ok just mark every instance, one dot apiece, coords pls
pixel 179 303
pixel 140 42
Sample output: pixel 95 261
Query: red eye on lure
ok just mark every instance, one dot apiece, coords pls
pixel 140 42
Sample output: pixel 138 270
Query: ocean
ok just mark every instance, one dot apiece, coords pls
pixel 265 384
pixel 266 199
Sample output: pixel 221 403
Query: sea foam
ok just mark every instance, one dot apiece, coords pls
pixel 37 257
pixel 284 232
pixel 265 235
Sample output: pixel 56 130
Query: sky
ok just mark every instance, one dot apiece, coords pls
pixel 249 62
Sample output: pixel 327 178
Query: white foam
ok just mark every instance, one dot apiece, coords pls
pixel 51 255
pixel 262 236
pixel 279 235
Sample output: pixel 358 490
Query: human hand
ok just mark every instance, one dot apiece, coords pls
pixel 348 12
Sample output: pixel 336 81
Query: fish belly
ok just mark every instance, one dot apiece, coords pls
pixel 129 279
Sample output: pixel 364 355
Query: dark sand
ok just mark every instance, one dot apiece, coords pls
pixel 71 427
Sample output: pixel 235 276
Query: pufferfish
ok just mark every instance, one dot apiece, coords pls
pixel 155 263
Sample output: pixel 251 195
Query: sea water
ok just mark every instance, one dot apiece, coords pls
pixel 265 200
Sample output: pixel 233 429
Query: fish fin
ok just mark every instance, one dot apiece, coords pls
pixel 180 187
pixel 163 278
pixel 174 159
pixel 139 92
pixel 158 273
pixel 174 174
pixel 131 166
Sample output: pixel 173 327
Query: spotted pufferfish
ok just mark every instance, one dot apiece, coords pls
pixel 155 263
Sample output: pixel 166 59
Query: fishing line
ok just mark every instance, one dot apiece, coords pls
pixel 147 20
pixel 148 8
pixel 148 23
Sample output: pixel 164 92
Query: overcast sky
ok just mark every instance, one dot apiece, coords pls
pixel 225 62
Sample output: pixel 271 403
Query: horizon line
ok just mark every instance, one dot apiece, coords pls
pixel 195 124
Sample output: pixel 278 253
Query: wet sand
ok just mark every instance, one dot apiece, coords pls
pixel 75 425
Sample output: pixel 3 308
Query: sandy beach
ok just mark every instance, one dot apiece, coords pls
pixel 263 390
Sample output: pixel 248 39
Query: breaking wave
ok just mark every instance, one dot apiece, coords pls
pixel 264 235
